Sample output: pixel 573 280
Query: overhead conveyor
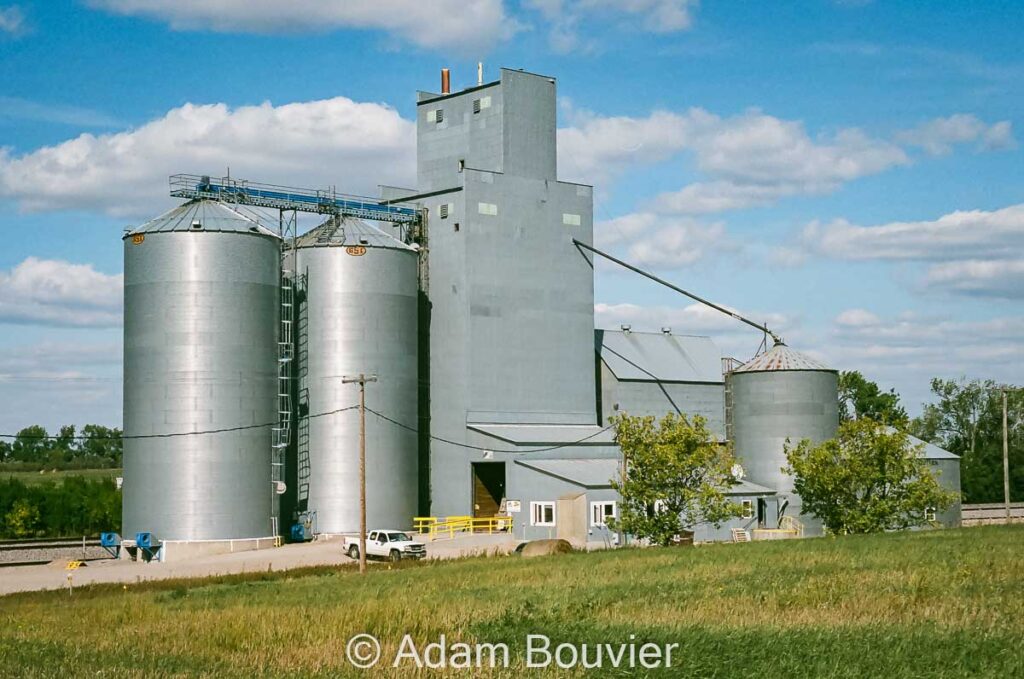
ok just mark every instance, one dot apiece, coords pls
pixel 329 202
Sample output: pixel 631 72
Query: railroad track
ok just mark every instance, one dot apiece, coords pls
pixel 38 551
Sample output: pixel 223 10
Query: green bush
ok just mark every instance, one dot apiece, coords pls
pixel 78 506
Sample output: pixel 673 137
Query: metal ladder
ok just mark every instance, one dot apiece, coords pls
pixel 281 434
pixel 303 467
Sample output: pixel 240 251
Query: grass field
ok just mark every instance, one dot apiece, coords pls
pixel 30 478
pixel 928 604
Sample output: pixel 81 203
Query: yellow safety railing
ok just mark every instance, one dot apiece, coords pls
pixel 446 527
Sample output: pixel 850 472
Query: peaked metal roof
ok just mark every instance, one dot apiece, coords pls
pixel 659 357
pixel 780 357
pixel 346 231
pixel 203 215
pixel 931 451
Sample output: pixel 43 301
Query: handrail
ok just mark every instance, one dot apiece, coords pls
pixel 435 527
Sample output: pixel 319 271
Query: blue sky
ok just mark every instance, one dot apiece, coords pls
pixel 848 171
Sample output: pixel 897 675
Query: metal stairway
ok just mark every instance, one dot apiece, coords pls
pixel 281 434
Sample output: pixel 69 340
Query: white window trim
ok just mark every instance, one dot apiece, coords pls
pixel 598 520
pixel 930 514
pixel 748 509
pixel 534 506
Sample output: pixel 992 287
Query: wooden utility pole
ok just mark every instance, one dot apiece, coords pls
pixel 1006 461
pixel 361 380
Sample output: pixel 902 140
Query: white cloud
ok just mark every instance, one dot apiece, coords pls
pixel 333 141
pixel 597 149
pixel 982 278
pixel 57 293
pixel 906 350
pixel 972 252
pixel 25 109
pixel 857 318
pixel 751 159
pixel 957 235
pixel 12 20
pixel 757 158
pixel 463 25
pixel 939 136
pixel 566 18
pixel 647 239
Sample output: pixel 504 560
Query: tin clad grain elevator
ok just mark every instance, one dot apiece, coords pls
pixel 200 344
pixel 511 301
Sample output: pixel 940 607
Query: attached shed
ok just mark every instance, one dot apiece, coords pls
pixel 644 373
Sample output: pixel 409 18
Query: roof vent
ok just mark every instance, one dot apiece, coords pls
pixel 197 225
pixel 364 241
pixel 626 328
pixel 666 330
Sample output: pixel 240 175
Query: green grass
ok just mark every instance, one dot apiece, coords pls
pixel 33 478
pixel 927 604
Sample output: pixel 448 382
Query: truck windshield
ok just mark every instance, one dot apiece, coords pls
pixel 398 537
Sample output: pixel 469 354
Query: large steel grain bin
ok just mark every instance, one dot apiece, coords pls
pixel 357 315
pixel 201 296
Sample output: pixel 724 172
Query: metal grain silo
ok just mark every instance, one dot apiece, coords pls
pixel 200 353
pixel 776 396
pixel 358 304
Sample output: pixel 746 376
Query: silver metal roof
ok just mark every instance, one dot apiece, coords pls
pixel 202 215
pixel 781 357
pixel 349 231
pixel 931 451
pixel 598 473
pixel 658 356
pixel 546 434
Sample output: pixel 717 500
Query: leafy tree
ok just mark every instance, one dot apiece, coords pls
pixel 869 478
pixel 31 445
pixel 967 419
pixel 860 397
pixel 674 477
pixel 103 443
pixel 5 451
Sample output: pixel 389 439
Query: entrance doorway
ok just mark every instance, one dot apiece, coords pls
pixel 488 488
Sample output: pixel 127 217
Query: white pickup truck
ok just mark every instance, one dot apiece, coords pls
pixel 393 545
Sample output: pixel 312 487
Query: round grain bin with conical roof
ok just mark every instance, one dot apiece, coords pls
pixel 357 315
pixel 779 395
pixel 201 308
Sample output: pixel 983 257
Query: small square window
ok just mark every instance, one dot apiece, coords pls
pixel 600 512
pixel 929 514
pixel 456 227
pixel 542 513
pixel 748 509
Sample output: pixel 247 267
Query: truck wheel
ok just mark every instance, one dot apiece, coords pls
pixel 353 552
pixel 396 556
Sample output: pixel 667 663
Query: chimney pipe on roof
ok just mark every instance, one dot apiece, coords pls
pixel 479 73
pixel 446 81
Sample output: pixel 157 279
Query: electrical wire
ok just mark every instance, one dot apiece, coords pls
pixel 325 414
pixel 491 450
pixel 138 437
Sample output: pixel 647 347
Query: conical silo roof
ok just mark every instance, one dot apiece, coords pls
pixel 202 215
pixel 781 357
pixel 346 231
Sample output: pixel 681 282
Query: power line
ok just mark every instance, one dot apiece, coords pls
pixel 492 450
pixel 54 437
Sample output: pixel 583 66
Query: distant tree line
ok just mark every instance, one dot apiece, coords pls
pixel 966 419
pixel 78 506
pixel 96 447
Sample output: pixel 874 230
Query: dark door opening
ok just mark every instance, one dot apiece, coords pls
pixel 488 488
pixel 762 512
